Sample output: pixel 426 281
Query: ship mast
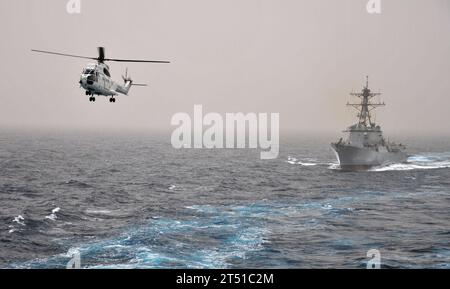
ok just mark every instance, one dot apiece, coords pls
pixel 366 106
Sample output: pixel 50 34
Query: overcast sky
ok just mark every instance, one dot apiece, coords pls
pixel 299 58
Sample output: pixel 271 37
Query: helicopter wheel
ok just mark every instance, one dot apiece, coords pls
pixel 112 99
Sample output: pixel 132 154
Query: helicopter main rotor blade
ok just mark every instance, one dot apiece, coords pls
pixel 101 57
pixel 133 60
pixel 63 54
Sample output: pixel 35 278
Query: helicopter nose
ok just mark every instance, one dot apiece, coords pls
pixel 83 80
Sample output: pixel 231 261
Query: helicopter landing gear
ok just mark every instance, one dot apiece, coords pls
pixel 112 99
pixel 92 99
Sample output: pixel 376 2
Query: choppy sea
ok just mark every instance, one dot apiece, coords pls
pixel 132 201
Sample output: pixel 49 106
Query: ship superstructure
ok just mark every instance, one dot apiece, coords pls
pixel 365 145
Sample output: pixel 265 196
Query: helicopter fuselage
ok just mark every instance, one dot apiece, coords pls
pixel 96 80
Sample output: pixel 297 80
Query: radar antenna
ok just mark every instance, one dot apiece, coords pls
pixel 366 106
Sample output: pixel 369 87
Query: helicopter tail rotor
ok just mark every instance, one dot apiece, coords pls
pixel 125 77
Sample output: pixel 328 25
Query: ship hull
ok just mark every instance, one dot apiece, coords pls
pixel 357 158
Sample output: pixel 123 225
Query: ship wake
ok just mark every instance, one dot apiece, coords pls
pixel 424 161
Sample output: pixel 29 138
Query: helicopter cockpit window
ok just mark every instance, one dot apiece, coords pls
pixel 88 71
pixel 106 72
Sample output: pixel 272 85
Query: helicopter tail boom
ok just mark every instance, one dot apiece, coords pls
pixel 128 83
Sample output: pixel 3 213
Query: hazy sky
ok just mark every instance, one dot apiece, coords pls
pixel 300 58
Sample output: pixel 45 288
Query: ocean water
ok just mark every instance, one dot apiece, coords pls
pixel 131 201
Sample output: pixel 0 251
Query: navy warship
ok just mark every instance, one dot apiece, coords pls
pixel 365 146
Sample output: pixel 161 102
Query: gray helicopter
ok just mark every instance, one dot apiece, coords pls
pixel 96 78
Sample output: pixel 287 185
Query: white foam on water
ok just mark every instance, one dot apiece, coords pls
pixel 98 212
pixel 327 207
pixel 238 238
pixel 233 231
pixel 334 166
pixel 419 162
pixel 306 163
pixel 53 216
pixel 71 252
pixel 203 209
pixel 19 220
pixel 416 162
pixel 115 246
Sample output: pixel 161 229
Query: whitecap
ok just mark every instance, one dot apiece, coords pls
pixel 53 216
pixel 19 220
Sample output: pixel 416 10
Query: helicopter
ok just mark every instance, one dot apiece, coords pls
pixel 96 78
